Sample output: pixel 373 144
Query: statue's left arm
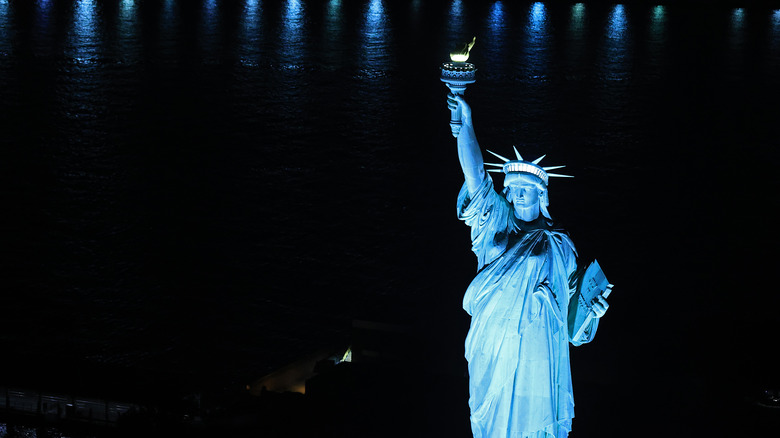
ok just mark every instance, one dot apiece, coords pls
pixel 596 309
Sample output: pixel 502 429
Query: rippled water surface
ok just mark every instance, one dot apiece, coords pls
pixel 220 186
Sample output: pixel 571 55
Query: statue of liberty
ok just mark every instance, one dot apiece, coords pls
pixel 524 300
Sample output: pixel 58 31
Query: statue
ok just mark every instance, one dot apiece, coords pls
pixel 524 300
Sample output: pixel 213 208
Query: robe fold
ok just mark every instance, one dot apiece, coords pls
pixel 517 344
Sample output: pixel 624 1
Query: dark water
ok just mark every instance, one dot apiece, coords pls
pixel 216 187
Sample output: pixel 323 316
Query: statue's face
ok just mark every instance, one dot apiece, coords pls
pixel 524 194
pixel 523 191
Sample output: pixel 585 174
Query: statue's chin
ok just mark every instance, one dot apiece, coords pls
pixel 527 214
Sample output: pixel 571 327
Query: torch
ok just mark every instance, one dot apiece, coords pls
pixel 457 74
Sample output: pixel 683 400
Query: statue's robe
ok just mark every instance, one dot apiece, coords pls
pixel 517 345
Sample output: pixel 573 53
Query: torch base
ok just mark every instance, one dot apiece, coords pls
pixel 458 73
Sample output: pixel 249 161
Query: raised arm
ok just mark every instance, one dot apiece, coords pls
pixel 469 153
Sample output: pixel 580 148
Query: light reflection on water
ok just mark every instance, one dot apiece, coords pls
pixel 43 16
pixel 333 35
pixel 537 47
pixel 737 17
pixel 85 40
pixel 376 39
pixel 735 55
pixel 657 23
pixel 209 39
pixel 168 43
pixel 656 40
pixel 537 17
pixel 4 20
pixel 617 23
pixel 495 40
pixel 576 37
pixel 252 34
pixel 6 34
pixel 775 33
pixel 577 22
pixel 127 30
pixel 616 56
pixel 455 22
pixel 126 15
pixel 210 6
pixel 415 9
pixel 292 42
pixel 737 22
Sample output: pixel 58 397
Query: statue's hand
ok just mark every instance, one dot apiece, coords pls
pixel 455 102
pixel 600 305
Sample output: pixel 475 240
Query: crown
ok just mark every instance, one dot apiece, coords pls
pixel 522 166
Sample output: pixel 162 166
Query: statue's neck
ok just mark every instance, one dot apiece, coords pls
pixel 540 223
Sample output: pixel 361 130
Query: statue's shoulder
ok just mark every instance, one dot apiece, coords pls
pixel 560 238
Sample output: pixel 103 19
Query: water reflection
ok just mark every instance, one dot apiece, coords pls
pixel 84 35
pixel 536 23
pixel 536 41
pixel 737 17
pixel 736 37
pixel 333 17
pixel 455 22
pixel 575 47
pixel 127 10
pixel 775 37
pixel 4 28
pixel 737 24
pixel 210 16
pixel 616 55
pixel 210 6
pixel 496 17
pixel 656 39
pixel 332 49
pixel 577 24
pixel 416 9
pixel 537 17
pixel 169 29
pixel 249 50
pixel 617 22
pixel 292 40
pixel 80 91
pixel 775 32
pixel 494 44
pixel 126 29
pixel 657 22
pixel 375 37
pixel 209 31
pixel 43 15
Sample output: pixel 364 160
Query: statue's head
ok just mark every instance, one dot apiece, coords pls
pixel 525 185
pixel 527 194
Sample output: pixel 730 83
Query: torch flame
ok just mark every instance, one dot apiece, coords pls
pixel 462 55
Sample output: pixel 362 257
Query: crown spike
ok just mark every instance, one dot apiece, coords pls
pixel 536 161
pixel 552 167
pixel 517 153
pixel 494 164
pixel 498 156
pixel 559 175
pixel 495 170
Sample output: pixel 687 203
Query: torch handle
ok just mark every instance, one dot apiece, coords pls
pixel 455 114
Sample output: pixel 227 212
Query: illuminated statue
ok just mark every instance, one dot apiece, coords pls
pixel 521 318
